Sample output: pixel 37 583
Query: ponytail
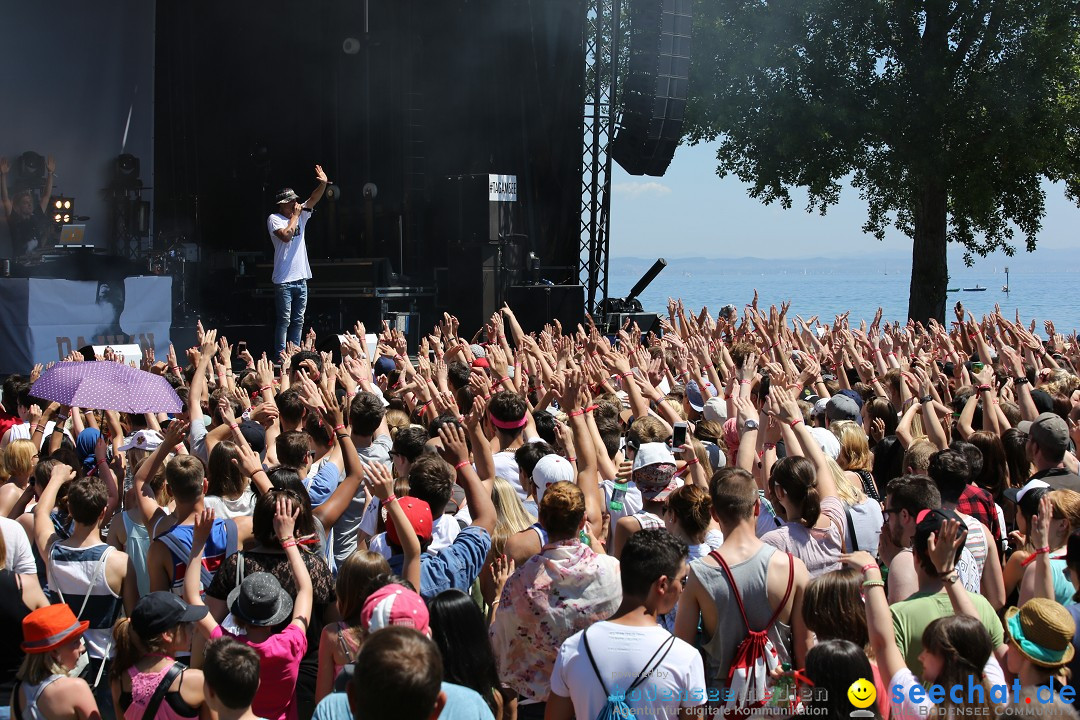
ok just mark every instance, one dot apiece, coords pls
pixel 128 647
pixel 798 477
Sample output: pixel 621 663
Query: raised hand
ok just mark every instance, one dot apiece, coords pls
pixel 285 514
pixel 320 175
pixel 944 544
pixel 204 525
pixel 454 448
pixel 175 434
pixel 378 480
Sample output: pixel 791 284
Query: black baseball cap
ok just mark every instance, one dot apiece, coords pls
pixel 160 611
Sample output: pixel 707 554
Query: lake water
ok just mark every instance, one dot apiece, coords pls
pixel 1038 295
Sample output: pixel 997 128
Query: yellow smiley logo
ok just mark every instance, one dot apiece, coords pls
pixel 862 693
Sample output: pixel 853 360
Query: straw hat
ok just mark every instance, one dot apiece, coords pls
pixel 49 627
pixel 1042 630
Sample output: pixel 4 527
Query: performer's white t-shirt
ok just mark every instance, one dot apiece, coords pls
pixel 290 258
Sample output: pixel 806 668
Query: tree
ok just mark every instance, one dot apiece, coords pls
pixel 945 114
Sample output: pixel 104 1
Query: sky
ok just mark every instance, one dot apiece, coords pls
pixel 690 212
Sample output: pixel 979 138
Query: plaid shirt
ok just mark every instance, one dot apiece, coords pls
pixel 979 504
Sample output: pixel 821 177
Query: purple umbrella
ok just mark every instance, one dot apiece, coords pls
pixel 106 385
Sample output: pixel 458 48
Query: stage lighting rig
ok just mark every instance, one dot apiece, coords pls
pixel 63 209
pixel 126 172
pixel 30 170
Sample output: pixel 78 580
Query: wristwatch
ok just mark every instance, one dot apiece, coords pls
pixel 750 425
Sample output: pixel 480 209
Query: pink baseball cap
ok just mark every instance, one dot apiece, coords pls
pixel 395 605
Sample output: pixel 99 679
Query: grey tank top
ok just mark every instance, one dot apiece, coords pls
pixel 750 576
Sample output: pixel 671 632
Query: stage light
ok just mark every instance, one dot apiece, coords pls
pixel 126 172
pixel 63 209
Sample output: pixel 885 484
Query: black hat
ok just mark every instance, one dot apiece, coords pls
pixel 260 600
pixel 160 611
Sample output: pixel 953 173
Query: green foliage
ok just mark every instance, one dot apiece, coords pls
pixel 979 99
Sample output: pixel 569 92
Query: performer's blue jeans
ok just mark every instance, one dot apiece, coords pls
pixel 290 300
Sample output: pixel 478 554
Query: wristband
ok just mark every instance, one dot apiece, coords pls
pixel 627 375
pixel 571 459
pixel 176 368
pixel 1036 553
pixel 339 428
pixel 34 428
pixel 342 436
pixel 260 470
pixel 870 566
pixel 984 388
pixel 102 462
pixel 575 413
pixel 744 382
pixel 503 379
pixel 768 446
pixel 873 583
pixel 234 426
pixel 179 447
pixel 794 422
pixel 264 388
pixel 288 544
pixel 390 500
pixel 462 464
pixel 591 408
pixel 61 419
pixel 1021 380
pixel 694 461
pixel 926 399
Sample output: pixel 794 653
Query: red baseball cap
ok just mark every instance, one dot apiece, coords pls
pixel 419 514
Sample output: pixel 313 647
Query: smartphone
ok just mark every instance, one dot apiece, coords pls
pixel 678 437
pixel 241 346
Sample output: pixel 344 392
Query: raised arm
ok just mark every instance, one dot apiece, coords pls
pixel 4 168
pixel 285 515
pixel 44 533
pixel 204 523
pixel 456 452
pixel 50 167
pixel 144 494
pixel 586 454
pixel 879 621
pixel 380 483
pixel 781 403
pixel 198 382
pixel 317 193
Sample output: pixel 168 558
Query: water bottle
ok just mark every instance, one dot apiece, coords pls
pixel 617 495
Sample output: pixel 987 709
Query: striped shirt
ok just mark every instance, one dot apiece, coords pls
pixel 77 577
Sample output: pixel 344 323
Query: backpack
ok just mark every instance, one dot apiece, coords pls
pixel 616 706
pixel 755 659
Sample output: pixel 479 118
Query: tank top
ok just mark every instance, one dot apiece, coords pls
pixel 30 694
pixel 137 546
pixel 349 647
pixel 143 687
pixel 976 540
pixel 77 577
pixel 535 527
pixel 12 612
pixel 215 552
pixel 750 577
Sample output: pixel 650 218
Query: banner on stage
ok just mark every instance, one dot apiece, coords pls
pixel 43 320
pixel 502 188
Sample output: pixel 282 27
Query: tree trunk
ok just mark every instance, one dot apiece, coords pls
pixel 929 263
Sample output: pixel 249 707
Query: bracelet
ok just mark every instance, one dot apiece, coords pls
pixel 744 382
pixel 286 538
pixel 873 583
pixel 176 368
pixel 794 422
pixel 288 544
pixel 462 464
pixel 627 375
pixel 984 388
pixel 179 447
pixel 34 428
pixel 339 428
pixel 103 462
pixel 61 419
pixel 708 366
pixel 342 436
pixel 260 470
pixel 503 379
pixel 264 388
pixel 870 566
pixel 768 446
pixel 1036 553
pixel 694 461
pixel 571 459
pixel 1021 380
pixel 575 413
pixel 926 399
pixel 234 426
pixel 388 501
pixel 495 602
pixel 592 408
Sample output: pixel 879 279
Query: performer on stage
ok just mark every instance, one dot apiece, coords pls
pixel 291 267
pixel 26 220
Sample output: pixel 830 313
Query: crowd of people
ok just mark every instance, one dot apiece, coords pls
pixel 755 514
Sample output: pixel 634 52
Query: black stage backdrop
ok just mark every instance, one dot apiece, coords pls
pixel 73 72
pixel 250 97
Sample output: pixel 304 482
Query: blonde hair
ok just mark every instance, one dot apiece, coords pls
pixel 19 458
pixel 1066 504
pixel 844 489
pixel 396 421
pixel 36 667
pixel 512 516
pixel 676 406
pixel 854 446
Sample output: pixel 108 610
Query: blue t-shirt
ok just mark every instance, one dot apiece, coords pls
pixel 324 483
pixel 462 703
pixel 456 566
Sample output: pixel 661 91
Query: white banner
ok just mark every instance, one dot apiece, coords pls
pixel 44 319
pixel 502 188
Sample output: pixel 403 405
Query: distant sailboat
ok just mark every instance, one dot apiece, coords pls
pixel 977 288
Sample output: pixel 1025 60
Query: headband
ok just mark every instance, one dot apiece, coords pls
pixel 508 425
